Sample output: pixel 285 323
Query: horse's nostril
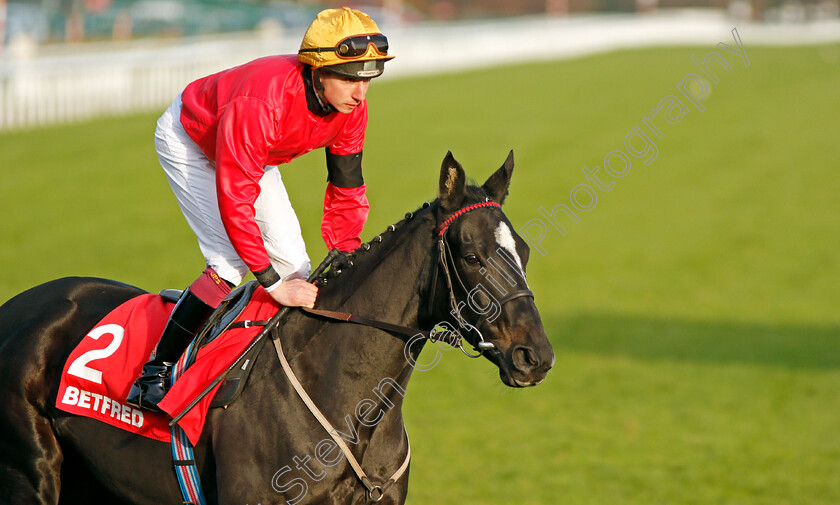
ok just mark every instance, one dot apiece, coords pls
pixel 525 359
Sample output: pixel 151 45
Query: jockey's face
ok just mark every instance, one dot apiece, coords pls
pixel 342 93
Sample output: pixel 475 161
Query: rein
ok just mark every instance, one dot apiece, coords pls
pixel 446 259
pixel 449 270
pixel 445 263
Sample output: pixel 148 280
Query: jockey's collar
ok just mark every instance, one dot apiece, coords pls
pixel 313 89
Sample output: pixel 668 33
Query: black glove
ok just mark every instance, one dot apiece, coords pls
pixel 342 261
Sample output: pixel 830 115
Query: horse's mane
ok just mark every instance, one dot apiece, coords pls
pixel 369 254
pixel 385 241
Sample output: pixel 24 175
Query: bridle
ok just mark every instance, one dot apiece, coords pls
pixel 450 270
pixel 446 260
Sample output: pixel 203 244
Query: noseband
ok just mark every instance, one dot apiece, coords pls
pixel 450 270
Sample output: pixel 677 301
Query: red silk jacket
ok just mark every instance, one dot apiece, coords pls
pixel 255 115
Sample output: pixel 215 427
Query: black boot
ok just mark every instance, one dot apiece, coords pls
pixel 186 319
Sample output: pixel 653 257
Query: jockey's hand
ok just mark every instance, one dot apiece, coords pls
pixel 295 293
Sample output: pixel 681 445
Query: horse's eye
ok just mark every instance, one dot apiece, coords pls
pixel 472 259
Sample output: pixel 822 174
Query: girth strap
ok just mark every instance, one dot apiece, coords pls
pixel 374 492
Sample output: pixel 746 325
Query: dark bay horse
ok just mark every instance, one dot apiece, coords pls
pixel 267 447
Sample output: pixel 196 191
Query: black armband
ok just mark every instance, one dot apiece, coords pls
pixel 267 277
pixel 345 170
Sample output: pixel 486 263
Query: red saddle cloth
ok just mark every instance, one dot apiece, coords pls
pixel 100 371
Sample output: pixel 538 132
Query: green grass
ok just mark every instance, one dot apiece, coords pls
pixel 694 310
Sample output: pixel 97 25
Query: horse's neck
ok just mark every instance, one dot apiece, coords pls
pixel 357 376
pixel 385 284
pixel 388 285
pixel 388 280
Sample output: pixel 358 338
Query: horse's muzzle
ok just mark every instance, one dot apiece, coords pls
pixel 525 365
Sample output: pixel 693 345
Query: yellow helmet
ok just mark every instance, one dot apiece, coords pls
pixel 346 41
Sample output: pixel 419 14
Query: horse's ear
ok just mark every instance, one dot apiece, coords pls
pixel 497 185
pixel 452 183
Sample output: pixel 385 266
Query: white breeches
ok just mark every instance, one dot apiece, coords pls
pixel 193 180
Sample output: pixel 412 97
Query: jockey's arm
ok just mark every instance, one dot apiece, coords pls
pixel 346 206
pixel 241 155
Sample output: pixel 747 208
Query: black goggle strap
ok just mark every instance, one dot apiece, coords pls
pixel 356 45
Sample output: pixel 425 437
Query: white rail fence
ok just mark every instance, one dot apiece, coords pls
pixel 72 83
pixel 115 80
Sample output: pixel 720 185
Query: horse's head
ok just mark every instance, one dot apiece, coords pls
pixel 480 278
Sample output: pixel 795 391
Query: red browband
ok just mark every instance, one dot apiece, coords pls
pixel 463 211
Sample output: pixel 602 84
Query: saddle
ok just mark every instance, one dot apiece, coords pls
pixel 220 321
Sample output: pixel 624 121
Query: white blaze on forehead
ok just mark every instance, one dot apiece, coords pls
pixel 505 239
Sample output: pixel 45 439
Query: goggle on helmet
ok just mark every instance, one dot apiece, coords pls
pixel 346 42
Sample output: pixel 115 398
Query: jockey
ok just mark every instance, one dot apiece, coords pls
pixel 219 144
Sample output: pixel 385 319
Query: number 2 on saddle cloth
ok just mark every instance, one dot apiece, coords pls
pixel 99 372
